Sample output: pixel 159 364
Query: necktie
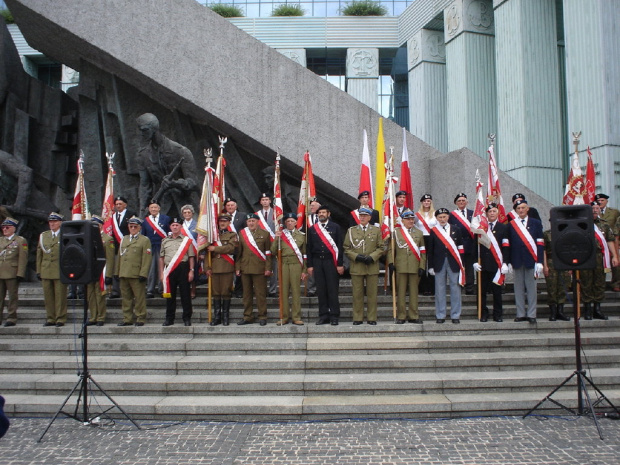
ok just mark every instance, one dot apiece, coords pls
pixel 463 212
pixel 492 224
pixel 445 228
pixel 131 238
pixel 118 218
pixel 523 222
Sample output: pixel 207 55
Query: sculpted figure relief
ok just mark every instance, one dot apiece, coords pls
pixel 167 169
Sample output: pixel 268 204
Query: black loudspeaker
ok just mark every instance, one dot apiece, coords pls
pixel 82 257
pixel 572 238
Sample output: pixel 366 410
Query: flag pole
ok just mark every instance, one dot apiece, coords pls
pixel 208 154
pixel 390 191
pixel 307 202
pixel 576 136
pixel 276 194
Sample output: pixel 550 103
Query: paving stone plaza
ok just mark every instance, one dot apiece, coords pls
pixel 491 440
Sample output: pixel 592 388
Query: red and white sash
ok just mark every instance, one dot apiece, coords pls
pixel 356 216
pixel 496 251
pixel 526 238
pixel 600 238
pixel 513 215
pixel 263 224
pixel 449 243
pixel 424 227
pixel 176 260
pixel 226 256
pixel 328 241
pixel 246 234
pixel 156 227
pixel 116 229
pixel 187 233
pixel 231 226
pixel 463 220
pixel 417 251
pixel 288 238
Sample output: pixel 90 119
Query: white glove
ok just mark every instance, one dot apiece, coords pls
pixel 431 271
pixel 538 270
pixel 477 267
pixel 504 269
pixel 510 268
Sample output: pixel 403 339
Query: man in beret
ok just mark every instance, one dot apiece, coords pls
pixel 96 291
pixel 120 228
pixel 325 263
pixel 532 212
pixel 133 263
pixel 155 227
pixel 292 246
pixel 13 261
pixel 176 270
pixel 253 264
pixel 610 216
pixel 364 246
pixel 460 217
pixel 237 223
pixel 48 271
pixel 267 221
pixel 364 198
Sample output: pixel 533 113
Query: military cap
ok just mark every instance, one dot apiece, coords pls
pixel 152 202
pixel 224 216
pixel 425 197
pixel 518 196
pixel 264 195
pixel 134 220
pixel 407 214
pixel 10 222
pixel 288 216
pixel 491 205
pixel 362 194
pixel 519 202
pixel 55 217
pixel 442 211
pixel 593 203
pixel 121 198
pixel 400 193
pixel 251 216
pixel 322 207
pixel 458 196
pixel 177 220
pixel 601 196
pixel 229 199
pixel 96 219
pixel 364 211
pixel 313 199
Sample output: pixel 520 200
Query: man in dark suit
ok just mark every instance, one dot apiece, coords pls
pixel 527 248
pixel 364 198
pixel 445 248
pixel 532 213
pixel 325 254
pixel 156 227
pixel 493 264
pixel 461 218
pixel 120 228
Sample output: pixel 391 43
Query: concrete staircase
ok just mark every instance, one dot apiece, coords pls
pixel 305 372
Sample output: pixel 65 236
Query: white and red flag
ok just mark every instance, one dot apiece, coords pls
pixel 306 192
pixel 405 174
pixel 278 211
pixel 493 188
pixel 590 179
pixel 575 186
pixel 365 174
pixel 206 224
pixel 107 210
pixel 479 221
pixel 389 208
pixel 79 209
pixel 219 184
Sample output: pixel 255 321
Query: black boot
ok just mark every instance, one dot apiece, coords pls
pixel 598 315
pixel 587 311
pixel 560 314
pixel 225 311
pixel 217 311
pixel 553 311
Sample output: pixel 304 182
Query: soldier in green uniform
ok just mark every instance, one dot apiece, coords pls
pixel 364 246
pixel 253 264
pixel 611 216
pixel 222 270
pixel 292 244
pixel 13 261
pixel 593 281
pixel 48 271
pixel 94 291
pixel 408 260
pixel 133 263
pixel 176 269
pixel 557 282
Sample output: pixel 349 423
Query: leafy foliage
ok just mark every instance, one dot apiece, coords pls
pixel 226 10
pixel 8 17
pixel 364 8
pixel 286 9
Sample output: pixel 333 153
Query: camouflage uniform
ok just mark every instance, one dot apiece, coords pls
pixel 593 281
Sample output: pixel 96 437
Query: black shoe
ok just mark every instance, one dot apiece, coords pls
pixel 416 321
pixel 372 323
pixel 8 323
pixel 59 325
pixel 273 294
pixel 139 324
pixel 47 323
pixel 100 323
pixel 114 295
pixel 483 320
pixel 531 320
pixel 456 321
pixel 244 322
pixel 357 323
pixel 440 320
pixel 150 295
pixel 334 323
pixel 124 324
pixel 167 323
pixel 400 322
pixel 311 294
pixel 91 323
pixel 498 320
pixel 262 322
pixel 187 323
pixel 470 293
pixel 322 322
pixel 521 318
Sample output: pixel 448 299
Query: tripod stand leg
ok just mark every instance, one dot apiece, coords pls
pixel 602 397
pixel 548 396
pixel 114 402
pixel 60 409
pixel 581 377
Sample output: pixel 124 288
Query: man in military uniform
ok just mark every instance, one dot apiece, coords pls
pixel 253 264
pixel 593 281
pixel 95 292
pixel 557 281
pixel 13 261
pixel 176 269
pixel 363 245
pixel 221 270
pixel 407 258
pixel 133 263
pixel 364 198
pixel 611 217
pixel 48 271
pixel 292 244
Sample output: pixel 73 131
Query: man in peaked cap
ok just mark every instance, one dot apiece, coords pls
pixel 13 261
pixel 48 271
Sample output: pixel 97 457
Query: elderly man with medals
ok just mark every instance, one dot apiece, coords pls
pixel 364 246
pixel 408 260
pixel 222 270
pixel 176 270
pixel 292 244
pixel 13 261
pixel 48 271
pixel 133 264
